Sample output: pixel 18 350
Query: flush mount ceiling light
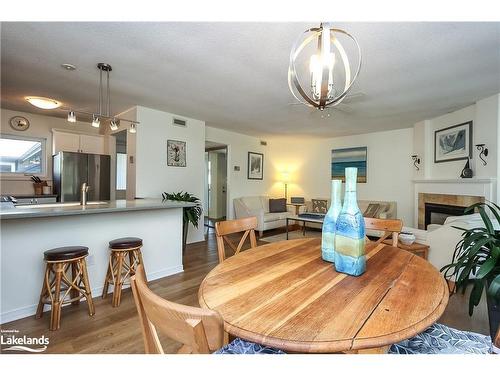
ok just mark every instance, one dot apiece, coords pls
pixel 103 103
pixel 330 76
pixel 43 103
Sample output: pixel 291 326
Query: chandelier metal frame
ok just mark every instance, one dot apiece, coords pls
pixel 293 79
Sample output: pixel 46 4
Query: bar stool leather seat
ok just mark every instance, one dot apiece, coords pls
pixel 125 243
pixel 65 253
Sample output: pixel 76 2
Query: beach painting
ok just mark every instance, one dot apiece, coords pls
pixel 349 157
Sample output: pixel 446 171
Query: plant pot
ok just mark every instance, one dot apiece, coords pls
pixel 493 314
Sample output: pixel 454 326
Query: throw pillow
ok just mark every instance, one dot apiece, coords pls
pixel 319 206
pixel 372 210
pixel 277 205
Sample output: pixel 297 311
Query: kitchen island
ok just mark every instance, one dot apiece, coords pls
pixel 27 231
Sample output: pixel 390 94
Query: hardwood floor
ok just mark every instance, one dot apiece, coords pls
pixel 116 330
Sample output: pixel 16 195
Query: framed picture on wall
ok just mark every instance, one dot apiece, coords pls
pixel 349 157
pixel 176 153
pixel 453 143
pixel 255 166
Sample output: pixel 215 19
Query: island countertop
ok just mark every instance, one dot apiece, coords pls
pixel 73 208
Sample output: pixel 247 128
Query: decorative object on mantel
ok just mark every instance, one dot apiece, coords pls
pixel 176 153
pixel 19 123
pixel 453 143
pixel 483 152
pixel 350 231
pixel 416 161
pixel 255 166
pixel 355 157
pixel 329 223
pixel 466 172
pixel 104 101
pixel 476 260
pixel 325 92
pixel 190 214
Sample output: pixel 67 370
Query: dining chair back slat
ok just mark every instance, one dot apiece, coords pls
pixel 199 330
pixel 389 226
pixel 223 229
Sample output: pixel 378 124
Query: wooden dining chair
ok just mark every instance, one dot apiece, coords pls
pixel 199 330
pixel 225 228
pixel 389 226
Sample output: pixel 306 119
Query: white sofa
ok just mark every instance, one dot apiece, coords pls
pixel 442 239
pixel 259 207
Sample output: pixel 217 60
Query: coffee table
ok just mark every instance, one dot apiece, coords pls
pixel 304 220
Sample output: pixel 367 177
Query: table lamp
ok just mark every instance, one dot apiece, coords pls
pixel 285 176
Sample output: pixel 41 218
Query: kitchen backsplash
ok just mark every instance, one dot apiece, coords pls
pixel 18 187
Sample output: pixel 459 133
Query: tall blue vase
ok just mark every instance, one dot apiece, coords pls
pixel 350 231
pixel 329 223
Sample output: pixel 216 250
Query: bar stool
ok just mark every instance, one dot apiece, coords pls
pixel 58 287
pixel 124 258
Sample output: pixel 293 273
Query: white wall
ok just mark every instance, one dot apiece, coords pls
pixel 238 146
pixel 40 127
pixel 308 162
pixel 153 176
pixel 485 129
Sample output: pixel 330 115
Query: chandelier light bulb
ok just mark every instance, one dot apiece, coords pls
pixel 71 116
pixel 133 128
pixel 96 122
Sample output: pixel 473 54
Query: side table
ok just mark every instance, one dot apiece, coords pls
pixel 416 248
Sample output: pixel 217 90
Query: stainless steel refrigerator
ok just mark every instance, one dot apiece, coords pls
pixel 72 169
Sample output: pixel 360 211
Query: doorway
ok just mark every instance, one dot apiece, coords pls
pixel 121 165
pixel 215 183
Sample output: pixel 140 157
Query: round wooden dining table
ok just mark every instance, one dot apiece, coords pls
pixel 285 296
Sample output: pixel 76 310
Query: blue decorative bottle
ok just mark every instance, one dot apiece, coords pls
pixel 350 231
pixel 329 222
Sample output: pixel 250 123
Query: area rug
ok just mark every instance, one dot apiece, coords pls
pixel 292 235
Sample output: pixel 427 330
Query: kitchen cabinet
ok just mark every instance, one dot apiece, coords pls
pixel 75 142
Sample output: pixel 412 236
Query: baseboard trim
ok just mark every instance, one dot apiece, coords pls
pixel 23 312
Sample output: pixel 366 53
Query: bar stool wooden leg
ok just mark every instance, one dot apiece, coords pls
pixel 43 293
pixel 139 252
pixel 74 278
pixel 117 292
pixel 86 285
pixel 109 274
pixel 55 314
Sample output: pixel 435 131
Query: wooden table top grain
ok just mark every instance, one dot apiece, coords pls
pixel 285 296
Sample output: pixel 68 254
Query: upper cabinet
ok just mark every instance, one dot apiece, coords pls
pixel 74 142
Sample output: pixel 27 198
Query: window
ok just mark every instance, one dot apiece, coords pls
pixel 121 171
pixel 22 155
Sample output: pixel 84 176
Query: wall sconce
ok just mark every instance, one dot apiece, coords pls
pixel 416 161
pixel 483 152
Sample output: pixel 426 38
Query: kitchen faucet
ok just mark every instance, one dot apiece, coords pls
pixel 83 196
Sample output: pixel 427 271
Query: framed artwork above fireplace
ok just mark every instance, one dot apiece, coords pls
pixel 453 143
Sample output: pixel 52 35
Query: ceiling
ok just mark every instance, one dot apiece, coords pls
pixel 234 75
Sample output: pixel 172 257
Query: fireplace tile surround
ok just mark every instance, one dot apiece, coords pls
pixel 452 192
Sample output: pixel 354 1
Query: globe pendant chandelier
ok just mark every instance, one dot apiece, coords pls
pixel 325 64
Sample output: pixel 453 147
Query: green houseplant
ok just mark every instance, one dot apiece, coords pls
pixel 190 214
pixel 476 260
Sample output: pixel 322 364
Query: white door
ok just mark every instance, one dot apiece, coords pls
pixel 91 144
pixel 65 142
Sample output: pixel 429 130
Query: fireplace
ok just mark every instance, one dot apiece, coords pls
pixel 437 213
pixel 434 208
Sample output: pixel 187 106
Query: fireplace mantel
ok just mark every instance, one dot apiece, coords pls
pixel 456 181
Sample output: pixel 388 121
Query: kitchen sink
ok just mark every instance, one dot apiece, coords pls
pixel 55 205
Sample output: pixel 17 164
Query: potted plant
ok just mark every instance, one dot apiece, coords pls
pixel 476 260
pixel 191 214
